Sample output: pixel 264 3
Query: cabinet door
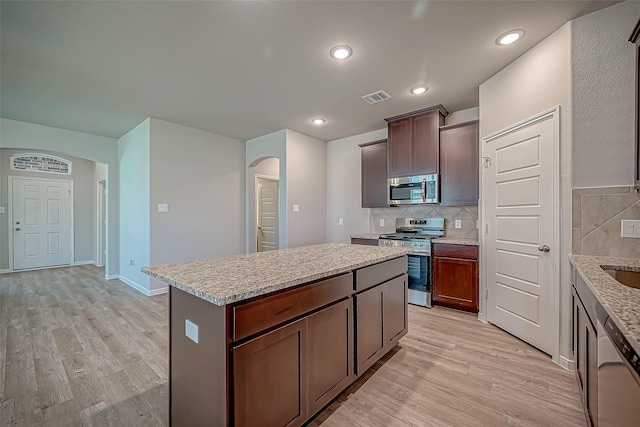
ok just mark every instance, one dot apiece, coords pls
pixel 399 148
pixel 455 283
pixel 370 342
pixel 459 165
pixel 270 378
pixel 592 373
pixel 425 137
pixel 374 175
pixel 331 370
pixel 581 340
pixel 394 309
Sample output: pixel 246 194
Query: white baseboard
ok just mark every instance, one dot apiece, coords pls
pixel 111 276
pixel 89 262
pixel 142 289
pixel 5 270
pixel 482 317
pixel 567 364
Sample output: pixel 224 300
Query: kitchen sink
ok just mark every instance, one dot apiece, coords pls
pixel 627 278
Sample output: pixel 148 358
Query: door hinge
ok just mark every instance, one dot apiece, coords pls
pixel 486 229
pixel 486 293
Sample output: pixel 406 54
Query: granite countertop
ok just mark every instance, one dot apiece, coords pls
pixel 472 242
pixel 621 302
pixel 371 236
pixel 223 281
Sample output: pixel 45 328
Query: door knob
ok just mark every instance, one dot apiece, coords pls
pixel 544 248
pixel 17 229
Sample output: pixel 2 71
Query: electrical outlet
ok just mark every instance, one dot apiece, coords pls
pixel 458 223
pixel 630 228
pixel 382 223
pixel 132 262
pixel 340 221
pixel 163 207
pixel 1 209
pixel 296 208
pixel 191 330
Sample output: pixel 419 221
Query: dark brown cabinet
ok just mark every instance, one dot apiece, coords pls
pixel 455 276
pixel 459 164
pixel 635 38
pixel 413 142
pixel 585 347
pixel 366 242
pixel 381 320
pixel 374 174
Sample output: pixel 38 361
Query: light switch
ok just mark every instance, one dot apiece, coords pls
pixel 340 221
pixel 382 223
pixel 296 208
pixel 191 330
pixel 1 209
pixel 458 223
pixel 163 207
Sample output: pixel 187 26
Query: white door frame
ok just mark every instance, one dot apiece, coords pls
pixel 554 114
pixel 10 179
pixel 257 198
pixel 101 218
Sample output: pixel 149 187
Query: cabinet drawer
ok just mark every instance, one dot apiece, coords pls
pixel 368 242
pixel 378 273
pixel 455 251
pixel 272 310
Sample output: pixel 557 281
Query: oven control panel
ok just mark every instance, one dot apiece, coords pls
pixel 423 246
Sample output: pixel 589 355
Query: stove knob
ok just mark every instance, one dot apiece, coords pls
pixel 421 245
pixel 402 243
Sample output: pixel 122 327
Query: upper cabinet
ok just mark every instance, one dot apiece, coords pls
pixel 635 38
pixel 414 142
pixel 459 164
pixel 374 174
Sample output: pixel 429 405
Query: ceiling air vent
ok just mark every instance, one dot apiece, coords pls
pixel 375 97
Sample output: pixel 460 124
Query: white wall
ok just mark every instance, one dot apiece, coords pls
pixel 603 96
pixel 344 186
pixel 306 187
pixel 22 135
pixel 537 81
pixel 462 116
pixel 134 154
pixel 200 175
pixel 82 173
pixel 273 145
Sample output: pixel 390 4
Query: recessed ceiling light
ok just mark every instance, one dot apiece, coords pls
pixel 419 90
pixel 509 37
pixel 341 52
pixel 318 121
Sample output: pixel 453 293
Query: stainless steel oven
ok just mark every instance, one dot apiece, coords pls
pixel 413 190
pixel 416 234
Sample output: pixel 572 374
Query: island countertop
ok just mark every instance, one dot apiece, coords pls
pixel 223 281
pixel 621 302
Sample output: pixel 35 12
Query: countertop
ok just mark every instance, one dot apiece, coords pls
pixel 621 302
pixel 472 242
pixel 370 236
pixel 222 281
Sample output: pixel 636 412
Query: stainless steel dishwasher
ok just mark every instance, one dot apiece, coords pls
pixel 618 376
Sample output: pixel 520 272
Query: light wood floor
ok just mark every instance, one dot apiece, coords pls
pixel 78 350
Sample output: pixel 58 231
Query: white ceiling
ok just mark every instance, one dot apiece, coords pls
pixel 245 69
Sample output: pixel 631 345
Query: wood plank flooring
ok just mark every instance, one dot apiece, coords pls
pixel 76 349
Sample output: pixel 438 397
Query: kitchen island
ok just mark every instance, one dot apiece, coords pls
pixel 271 338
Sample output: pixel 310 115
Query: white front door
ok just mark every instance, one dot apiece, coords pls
pixel 520 187
pixel 41 223
pixel 267 215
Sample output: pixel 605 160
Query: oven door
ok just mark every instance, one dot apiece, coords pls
pixel 419 273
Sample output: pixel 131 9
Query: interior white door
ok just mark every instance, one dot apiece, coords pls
pixel 520 231
pixel 41 223
pixel 267 215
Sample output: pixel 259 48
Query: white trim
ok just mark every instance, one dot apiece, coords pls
pixel 554 114
pixel 10 179
pixel 272 178
pixel 87 262
pixel 111 276
pixel 142 289
pixel 567 364
pixel 101 195
pixel 5 271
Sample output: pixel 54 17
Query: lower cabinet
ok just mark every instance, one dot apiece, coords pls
pixel 585 347
pixel 381 320
pixel 455 276
pixel 367 242
pixel 285 376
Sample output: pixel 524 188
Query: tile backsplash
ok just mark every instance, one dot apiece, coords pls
pixel 596 217
pixel 468 215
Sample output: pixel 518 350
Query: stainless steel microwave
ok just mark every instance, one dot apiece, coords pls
pixel 412 190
